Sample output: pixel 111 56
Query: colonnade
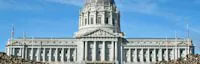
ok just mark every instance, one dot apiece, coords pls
pixel 100 50
pixel 47 54
pixel 153 54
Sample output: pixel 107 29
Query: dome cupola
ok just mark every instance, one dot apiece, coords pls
pixel 99 14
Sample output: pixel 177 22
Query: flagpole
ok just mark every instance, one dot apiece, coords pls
pixel 188 38
pixel 12 39
pixel 177 49
pixel 167 48
pixel 24 49
pixel 32 48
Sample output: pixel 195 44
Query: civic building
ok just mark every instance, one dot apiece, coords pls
pixel 99 40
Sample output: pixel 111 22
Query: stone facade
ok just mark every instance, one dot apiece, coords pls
pixel 99 40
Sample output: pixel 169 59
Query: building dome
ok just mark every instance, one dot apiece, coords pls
pixel 99 2
pixel 99 14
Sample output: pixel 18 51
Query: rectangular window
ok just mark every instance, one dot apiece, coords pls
pixel 92 20
pixel 113 22
pixel 99 20
pixel 106 21
pixel 85 21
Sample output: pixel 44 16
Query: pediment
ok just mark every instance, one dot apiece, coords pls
pixel 99 33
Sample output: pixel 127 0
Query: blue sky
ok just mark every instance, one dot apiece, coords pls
pixel 139 18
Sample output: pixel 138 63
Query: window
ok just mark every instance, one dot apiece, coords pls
pixel 113 22
pixel 82 22
pixel 107 17
pixel 99 20
pixel 106 21
pixel 85 21
pixel 92 20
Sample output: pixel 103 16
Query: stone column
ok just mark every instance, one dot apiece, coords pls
pixel 94 51
pixel 86 52
pixel 32 54
pixel 154 55
pixel 8 50
pixel 80 20
pixel 25 52
pixel 68 59
pixel 178 49
pixel 56 55
pixel 75 54
pixel 167 55
pixel 135 55
pixel 160 54
pixel 95 18
pixel 88 17
pixel 38 54
pixel 44 54
pixel 116 51
pixel 62 55
pixel 186 53
pixel 103 19
pixel 175 53
pixel 148 55
pixel 50 54
pixel 112 51
pixel 103 51
pixel 22 52
pixel 129 55
pixel 188 50
pixel 142 56
pixel 13 51
pixel 111 19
